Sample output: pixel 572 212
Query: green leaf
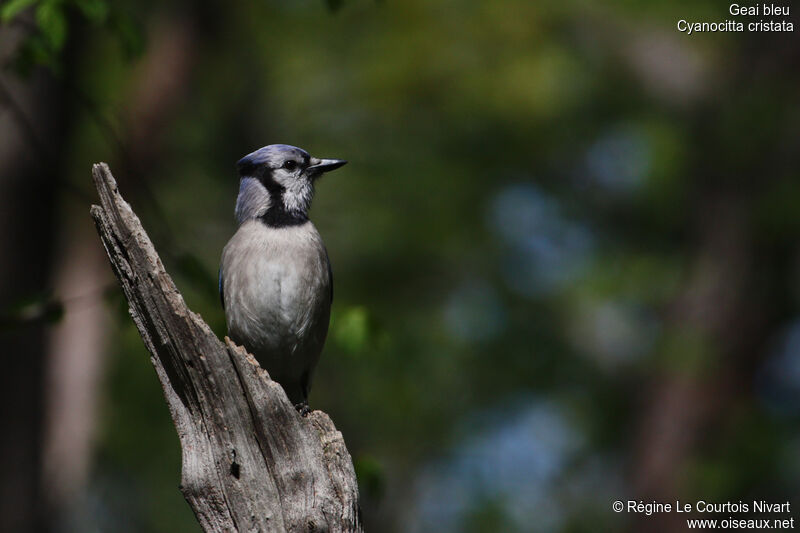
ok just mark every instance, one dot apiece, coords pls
pixel 130 35
pixel 32 52
pixel 52 23
pixel 94 10
pixel 371 476
pixel 351 329
pixel 334 5
pixel 11 9
pixel 35 309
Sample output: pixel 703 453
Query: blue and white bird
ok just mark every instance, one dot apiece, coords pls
pixel 275 279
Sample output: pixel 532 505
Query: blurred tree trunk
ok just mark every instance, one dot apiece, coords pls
pixel 712 329
pixel 75 361
pixel 75 365
pixel 32 126
pixel 718 327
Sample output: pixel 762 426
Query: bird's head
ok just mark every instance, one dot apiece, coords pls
pixel 277 184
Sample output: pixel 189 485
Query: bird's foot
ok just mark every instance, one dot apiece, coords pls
pixel 303 408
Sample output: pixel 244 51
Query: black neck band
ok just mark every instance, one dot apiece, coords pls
pixel 277 216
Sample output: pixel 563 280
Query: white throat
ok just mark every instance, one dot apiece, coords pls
pixel 297 195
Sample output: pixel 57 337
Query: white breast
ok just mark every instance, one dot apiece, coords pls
pixel 277 292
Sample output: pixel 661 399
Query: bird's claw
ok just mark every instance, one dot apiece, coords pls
pixel 302 408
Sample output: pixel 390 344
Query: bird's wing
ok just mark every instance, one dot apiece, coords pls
pixel 222 289
pixel 330 273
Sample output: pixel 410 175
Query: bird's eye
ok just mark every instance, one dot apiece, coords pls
pixel 290 165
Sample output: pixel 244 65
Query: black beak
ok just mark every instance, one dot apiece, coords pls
pixel 318 166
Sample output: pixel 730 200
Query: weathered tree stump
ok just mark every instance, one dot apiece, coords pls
pixel 250 461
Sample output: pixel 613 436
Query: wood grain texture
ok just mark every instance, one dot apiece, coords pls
pixel 250 461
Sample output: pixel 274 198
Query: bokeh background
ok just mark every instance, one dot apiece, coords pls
pixel 565 249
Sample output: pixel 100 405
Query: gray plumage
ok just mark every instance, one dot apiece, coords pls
pixel 275 278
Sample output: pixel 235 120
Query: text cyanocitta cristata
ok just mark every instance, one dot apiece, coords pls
pixel 275 280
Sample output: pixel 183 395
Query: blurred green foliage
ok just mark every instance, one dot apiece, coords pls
pixel 31 309
pixel 51 22
pixel 516 228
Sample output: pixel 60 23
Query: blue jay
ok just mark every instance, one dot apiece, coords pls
pixel 275 280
